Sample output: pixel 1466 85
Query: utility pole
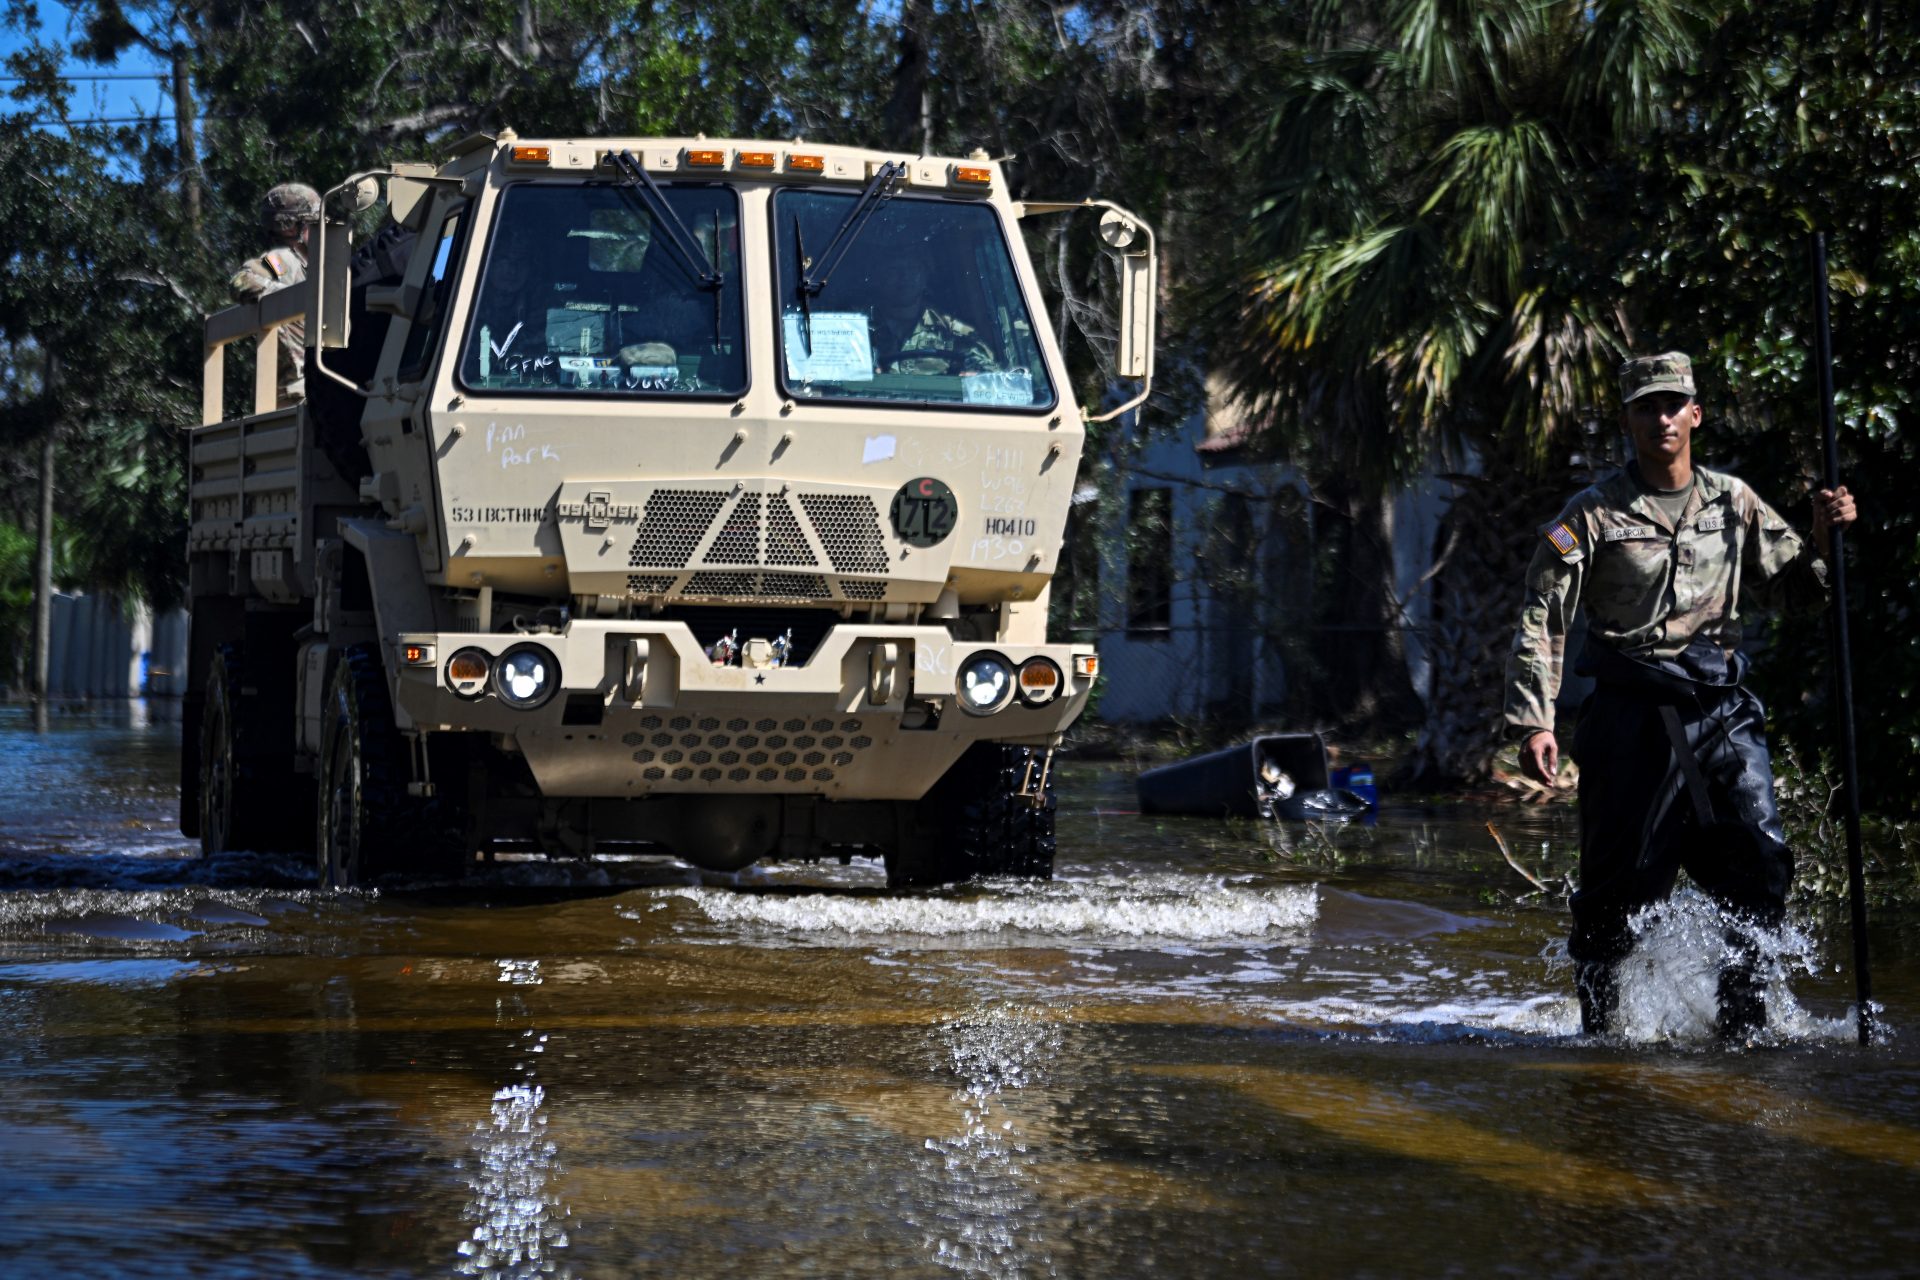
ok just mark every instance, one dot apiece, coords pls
pixel 184 125
pixel 43 553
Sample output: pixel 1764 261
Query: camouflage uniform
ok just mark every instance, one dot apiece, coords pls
pixel 949 345
pixel 285 209
pixel 1663 603
pixel 1651 590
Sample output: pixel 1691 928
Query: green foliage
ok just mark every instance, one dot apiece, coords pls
pixel 16 598
pixel 17 547
pixel 1809 800
pixel 1431 167
pixel 1797 118
pixel 1471 210
pixel 94 298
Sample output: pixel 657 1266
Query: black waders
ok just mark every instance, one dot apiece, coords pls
pixel 1674 774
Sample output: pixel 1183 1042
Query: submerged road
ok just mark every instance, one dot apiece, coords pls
pixel 1205 1049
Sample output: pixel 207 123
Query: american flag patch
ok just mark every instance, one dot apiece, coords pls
pixel 1563 538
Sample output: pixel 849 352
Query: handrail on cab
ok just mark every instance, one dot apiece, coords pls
pixel 261 321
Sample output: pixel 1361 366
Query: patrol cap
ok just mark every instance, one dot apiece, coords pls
pixel 1644 375
pixel 288 205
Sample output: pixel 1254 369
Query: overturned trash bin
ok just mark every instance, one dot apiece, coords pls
pixel 1276 775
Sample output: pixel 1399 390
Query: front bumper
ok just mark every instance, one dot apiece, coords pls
pixel 638 709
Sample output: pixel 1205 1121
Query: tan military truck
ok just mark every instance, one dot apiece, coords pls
pixel 667 493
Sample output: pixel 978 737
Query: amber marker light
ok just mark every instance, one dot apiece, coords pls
pixel 532 155
pixel 806 164
pixel 468 671
pixel 418 655
pixel 1040 682
pixel 964 173
pixel 1086 665
pixel 707 159
pixel 754 159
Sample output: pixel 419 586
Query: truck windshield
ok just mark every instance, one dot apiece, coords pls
pixel 585 293
pixel 924 308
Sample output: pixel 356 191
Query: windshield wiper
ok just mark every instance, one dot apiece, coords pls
pixel 880 189
pixel 704 271
pixel 806 298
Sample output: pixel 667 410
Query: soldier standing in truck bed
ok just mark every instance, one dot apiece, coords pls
pixel 288 213
pixel 1664 555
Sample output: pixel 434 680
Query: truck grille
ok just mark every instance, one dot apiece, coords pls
pixel 738 541
pixel 745 532
pixel 675 522
pixel 709 749
pixel 848 527
pixel 785 543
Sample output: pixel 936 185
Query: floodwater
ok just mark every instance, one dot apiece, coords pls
pixel 1201 1051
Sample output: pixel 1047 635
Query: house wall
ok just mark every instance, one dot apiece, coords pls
pixel 1212 650
pixel 1211 656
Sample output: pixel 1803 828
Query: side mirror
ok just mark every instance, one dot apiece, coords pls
pixel 1139 279
pixel 335 277
pixel 1131 241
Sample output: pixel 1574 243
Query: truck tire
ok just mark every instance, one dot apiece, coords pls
pixel 240 803
pixel 974 822
pixel 366 824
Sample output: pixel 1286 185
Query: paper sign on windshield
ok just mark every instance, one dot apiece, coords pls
pixel 835 347
pixel 1003 386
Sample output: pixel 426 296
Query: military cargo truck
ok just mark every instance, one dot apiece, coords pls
pixel 672 493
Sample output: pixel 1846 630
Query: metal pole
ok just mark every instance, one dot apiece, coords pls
pixel 1842 661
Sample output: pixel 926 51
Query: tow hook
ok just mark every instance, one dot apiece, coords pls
pixel 1033 789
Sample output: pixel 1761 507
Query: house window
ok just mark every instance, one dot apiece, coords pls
pixel 1150 560
pixel 1075 608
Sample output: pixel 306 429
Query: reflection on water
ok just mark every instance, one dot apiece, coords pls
pixel 519 1224
pixel 1197 1053
pixel 985 1209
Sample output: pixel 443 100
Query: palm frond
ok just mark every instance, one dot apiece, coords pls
pixel 1627 52
pixel 1507 189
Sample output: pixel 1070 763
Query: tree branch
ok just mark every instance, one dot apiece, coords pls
pixel 159 280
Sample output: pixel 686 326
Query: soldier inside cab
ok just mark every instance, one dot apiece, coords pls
pixel 917 329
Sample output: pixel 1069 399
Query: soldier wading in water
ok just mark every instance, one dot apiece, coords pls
pixel 1663 555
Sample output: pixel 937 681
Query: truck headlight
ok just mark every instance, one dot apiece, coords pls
pixel 526 676
pixel 467 672
pixel 985 684
pixel 1040 682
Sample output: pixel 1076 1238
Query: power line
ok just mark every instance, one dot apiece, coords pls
pixel 155 75
pixel 61 124
pixel 66 124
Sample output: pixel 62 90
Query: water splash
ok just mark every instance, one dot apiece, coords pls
pixel 1669 982
pixel 1131 911
pixel 986 1218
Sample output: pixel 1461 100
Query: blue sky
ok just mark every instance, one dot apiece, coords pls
pixel 141 95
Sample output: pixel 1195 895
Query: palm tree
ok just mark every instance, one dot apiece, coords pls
pixel 1434 282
